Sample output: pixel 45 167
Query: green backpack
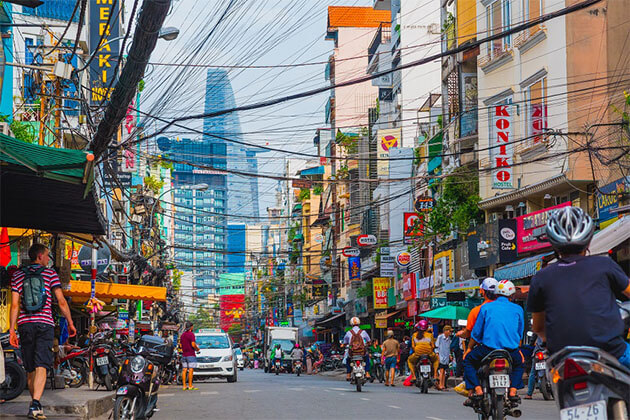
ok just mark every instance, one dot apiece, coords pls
pixel 33 290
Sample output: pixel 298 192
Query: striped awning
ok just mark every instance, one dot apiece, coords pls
pixel 520 269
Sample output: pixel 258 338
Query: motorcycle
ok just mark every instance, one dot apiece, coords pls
pixel 589 383
pixel 423 373
pixel 297 367
pixel 358 372
pixel 494 377
pixel 378 371
pixel 277 366
pixel 74 368
pixel 542 383
pixel 104 365
pixel 139 381
pixel 14 373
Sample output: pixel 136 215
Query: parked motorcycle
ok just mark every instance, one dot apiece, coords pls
pixel 139 381
pixel 297 366
pixel 423 374
pixel 589 383
pixel 74 367
pixel 494 377
pixel 378 370
pixel 14 373
pixel 171 372
pixel 542 383
pixel 358 372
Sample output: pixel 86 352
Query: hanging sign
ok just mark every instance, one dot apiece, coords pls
pixel 103 256
pixel 366 240
pixel 350 252
pixel 501 141
pixel 413 226
pixel 104 40
pixel 507 240
pixel 354 268
pixel 424 205
pixel 388 266
pixel 403 259
pixel 380 286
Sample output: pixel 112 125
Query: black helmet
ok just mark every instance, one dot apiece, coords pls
pixel 570 230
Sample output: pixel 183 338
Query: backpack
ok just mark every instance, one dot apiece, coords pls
pixel 357 345
pixel 34 294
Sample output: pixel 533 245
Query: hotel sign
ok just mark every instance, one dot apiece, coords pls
pixel 104 27
pixel 502 147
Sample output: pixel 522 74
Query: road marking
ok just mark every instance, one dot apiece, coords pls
pixel 166 395
pixel 327 390
pixel 296 389
pixel 338 389
pixel 365 399
pixel 434 418
pixel 209 393
pixel 251 390
pixel 394 406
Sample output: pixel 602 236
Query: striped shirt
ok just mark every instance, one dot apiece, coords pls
pixel 51 280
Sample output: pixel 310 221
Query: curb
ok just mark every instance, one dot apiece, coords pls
pixel 88 410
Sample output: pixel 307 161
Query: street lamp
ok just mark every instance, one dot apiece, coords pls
pixel 169 33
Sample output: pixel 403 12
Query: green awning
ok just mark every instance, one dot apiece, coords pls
pixel 434 164
pixel 447 312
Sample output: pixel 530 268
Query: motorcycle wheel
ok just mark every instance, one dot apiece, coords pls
pixel 80 368
pixel 15 381
pixel 298 372
pixel 358 385
pixel 425 387
pixel 545 389
pixel 122 408
pixel 108 382
pixel 381 374
pixel 498 404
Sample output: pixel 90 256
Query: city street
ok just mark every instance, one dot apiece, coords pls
pixel 257 395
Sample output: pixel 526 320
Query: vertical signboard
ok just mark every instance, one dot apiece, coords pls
pixel 507 240
pixel 413 226
pixel 538 121
pixel 387 139
pixel 354 268
pixel 380 286
pixel 104 27
pixel 502 147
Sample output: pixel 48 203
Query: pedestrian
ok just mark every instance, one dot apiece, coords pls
pixel 391 353
pixel 457 349
pixel 443 349
pixel 32 289
pixel 405 348
pixel 188 343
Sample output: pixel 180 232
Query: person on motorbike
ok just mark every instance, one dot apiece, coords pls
pixel 499 325
pixel 423 344
pixel 297 353
pixel 531 382
pixel 356 341
pixel 573 300
pixel 276 354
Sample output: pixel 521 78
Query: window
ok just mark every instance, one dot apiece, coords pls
pixel 497 20
pixel 536 99
pixel 532 9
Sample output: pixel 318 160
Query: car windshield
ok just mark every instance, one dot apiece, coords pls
pixel 285 345
pixel 237 351
pixel 212 342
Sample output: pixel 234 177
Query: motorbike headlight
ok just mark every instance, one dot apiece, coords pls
pixel 228 358
pixel 137 364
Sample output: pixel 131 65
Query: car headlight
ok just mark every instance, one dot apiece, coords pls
pixel 137 364
pixel 228 358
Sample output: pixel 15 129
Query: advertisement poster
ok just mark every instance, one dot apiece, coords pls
pixel 387 139
pixel 608 200
pixel 380 286
pixel 507 240
pixel 232 310
pixel 443 269
pixel 104 38
pixel 502 146
pixel 531 225
pixel 354 268
pixel 409 286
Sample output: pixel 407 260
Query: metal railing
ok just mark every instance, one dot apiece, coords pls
pixel 382 36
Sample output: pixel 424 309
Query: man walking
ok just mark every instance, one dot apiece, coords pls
pixel 443 349
pixel 189 347
pixel 391 350
pixel 32 289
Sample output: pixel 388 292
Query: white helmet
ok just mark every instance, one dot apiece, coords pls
pixel 489 284
pixel 355 321
pixel 569 230
pixel 506 288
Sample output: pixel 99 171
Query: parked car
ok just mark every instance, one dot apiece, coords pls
pixel 240 360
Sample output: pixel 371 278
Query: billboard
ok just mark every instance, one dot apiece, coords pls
pixel 380 286
pixel 232 310
pixel 387 139
pixel 104 27
pixel 502 146
pixel 608 200
pixel 354 268
pixel 530 226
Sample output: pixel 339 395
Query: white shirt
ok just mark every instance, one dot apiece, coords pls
pixel 364 335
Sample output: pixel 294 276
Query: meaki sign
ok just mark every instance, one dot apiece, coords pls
pixel 502 147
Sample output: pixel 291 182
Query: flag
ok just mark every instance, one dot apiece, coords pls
pixel 5 248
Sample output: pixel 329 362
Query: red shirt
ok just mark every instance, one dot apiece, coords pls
pixel 51 281
pixel 186 341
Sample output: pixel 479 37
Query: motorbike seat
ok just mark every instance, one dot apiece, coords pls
pixel 496 354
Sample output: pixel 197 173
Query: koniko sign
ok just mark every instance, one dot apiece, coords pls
pixel 502 146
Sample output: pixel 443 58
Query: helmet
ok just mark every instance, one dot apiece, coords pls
pixel 489 285
pixel 277 346
pixel 355 321
pixel 297 345
pixel 506 288
pixel 423 325
pixel 569 230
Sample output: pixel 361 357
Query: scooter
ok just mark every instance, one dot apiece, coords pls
pixel 14 373
pixel 74 367
pixel 423 374
pixel 358 372
pixel 105 365
pixel 378 371
pixel 277 366
pixel 297 366
pixel 589 383
pixel 542 383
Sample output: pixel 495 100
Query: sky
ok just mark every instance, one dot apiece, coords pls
pixel 246 33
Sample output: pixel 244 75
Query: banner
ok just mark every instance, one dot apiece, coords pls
pixel 354 268
pixel 608 200
pixel 502 147
pixel 532 225
pixel 232 310
pixel 104 39
pixel 387 139
pixel 380 286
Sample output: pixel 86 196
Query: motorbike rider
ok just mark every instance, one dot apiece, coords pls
pixel 499 325
pixel 356 341
pixel 276 354
pixel 297 353
pixel 573 300
pixel 423 344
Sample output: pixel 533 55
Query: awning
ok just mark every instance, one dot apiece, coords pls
pixel 610 237
pixel 526 267
pixel 447 312
pixel 318 170
pixel 330 319
pixel 434 163
pixel 116 291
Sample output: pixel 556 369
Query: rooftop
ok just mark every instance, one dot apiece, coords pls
pixel 357 17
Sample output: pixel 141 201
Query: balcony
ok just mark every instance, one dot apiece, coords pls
pixel 495 57
pixel 382 36
pixel 531 37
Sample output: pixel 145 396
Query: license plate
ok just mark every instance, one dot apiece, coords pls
pixel 122 391
pixel 101 361
pixel 541 366
pixel 592 411
pixel 425 369
pixel 499 381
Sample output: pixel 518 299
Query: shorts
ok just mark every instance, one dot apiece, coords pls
pixel 36 343
pixel 189 362
pixel 443 366
pixel 390 363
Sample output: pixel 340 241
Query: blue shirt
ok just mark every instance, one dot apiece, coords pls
pixel 499 325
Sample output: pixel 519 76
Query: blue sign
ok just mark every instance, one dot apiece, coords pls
pixel 123 315
pixel 289 310
pixel 608 198
pixel 354 268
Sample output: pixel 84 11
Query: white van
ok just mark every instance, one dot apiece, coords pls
pixel 216 358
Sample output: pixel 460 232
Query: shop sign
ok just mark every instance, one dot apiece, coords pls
pixel 387 139
pixel 319 238
pixel 350 252
pixel 507 240
pixel 123 315
pixel 104 39
pixel 301 183
pixel 412 308
pixel 366 240
pixel 324 263
pixel 380 322
pixel 443 269
pixel 440 302
pixel 538 121
pixel 385 80
pixel 462 285
pixel 388 266
pixel 424 205
pixel 103 256
pixel 409 286
pixel 354 268
pixel 403 259
pixel 608 200
pixel 413 226
pixel 502 151
pixel 530 226
pixel 380 286
pixel 385 94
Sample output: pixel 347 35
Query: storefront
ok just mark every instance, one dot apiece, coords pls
pixel 614 240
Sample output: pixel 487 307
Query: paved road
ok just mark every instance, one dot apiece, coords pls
pixel 258 395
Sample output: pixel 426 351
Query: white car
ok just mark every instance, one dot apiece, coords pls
pixel 240 360
pixel 216 358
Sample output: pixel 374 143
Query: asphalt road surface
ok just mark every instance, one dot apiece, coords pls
pixel 258 395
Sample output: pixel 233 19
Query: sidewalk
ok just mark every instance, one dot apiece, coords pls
pixel 69 403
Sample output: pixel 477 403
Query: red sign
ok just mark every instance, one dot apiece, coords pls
pixel 366 240
pixel 409 286
pixel 232 310
pixel 412 308
pixel 413 224
pixel 531 225
pixel 350 252
pixel 502 152
pixel 538 121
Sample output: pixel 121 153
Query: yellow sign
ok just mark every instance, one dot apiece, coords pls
pixel 380 322
pixel 380 286
pixel 72 254
pixel 387 139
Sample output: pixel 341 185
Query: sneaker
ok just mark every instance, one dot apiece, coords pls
pixel 35 411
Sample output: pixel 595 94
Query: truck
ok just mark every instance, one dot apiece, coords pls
pixel 286 337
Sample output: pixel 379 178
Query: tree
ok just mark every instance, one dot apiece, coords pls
pixel 203 319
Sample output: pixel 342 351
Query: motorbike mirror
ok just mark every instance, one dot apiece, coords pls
pixel 530 334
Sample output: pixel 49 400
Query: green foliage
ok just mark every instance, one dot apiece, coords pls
pixel 440 121
pixel 457 206
pixel 304 194
pixel 450 20
pixel 318 190
pixel 153 184
pixel 417 155
pixel 141 85
pixel 348 142
pixel 365 291
pixel 21 130
pixel 343 172
pixel 203 319
pixel 176 280
pixel 624 113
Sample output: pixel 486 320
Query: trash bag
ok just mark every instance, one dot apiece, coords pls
pixel 461 389
pixel 408 381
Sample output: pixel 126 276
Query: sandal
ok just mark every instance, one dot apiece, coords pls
pixel 528 397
